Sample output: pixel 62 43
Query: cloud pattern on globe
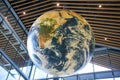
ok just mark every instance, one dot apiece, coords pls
pixel 60 42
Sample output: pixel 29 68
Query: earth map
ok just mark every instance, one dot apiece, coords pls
pixel 60 42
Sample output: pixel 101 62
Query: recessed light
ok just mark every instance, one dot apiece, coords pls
pixel 100 6
pixel 105 38
pixel 6 17
pixel 24 13
pixel 58 4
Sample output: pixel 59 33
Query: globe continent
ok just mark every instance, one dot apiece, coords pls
pixel 60 42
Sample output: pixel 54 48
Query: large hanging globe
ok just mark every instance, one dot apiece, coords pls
pixel 60 42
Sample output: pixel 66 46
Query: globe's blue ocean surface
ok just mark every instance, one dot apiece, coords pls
pixel 60 42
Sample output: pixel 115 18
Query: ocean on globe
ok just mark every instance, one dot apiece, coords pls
pixel 60 42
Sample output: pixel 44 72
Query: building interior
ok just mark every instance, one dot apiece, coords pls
pixel 17 16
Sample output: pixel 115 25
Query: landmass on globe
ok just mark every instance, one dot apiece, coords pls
pixel 60 42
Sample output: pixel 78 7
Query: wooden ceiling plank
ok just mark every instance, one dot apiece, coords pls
pixel 107 44
pixel 100 15
pixel 31 19
pixel 103 19
pixel 16 2
pixel 105 29
pixel 39 11
pixel 96 12
pixel 107 36
pixel 108 39
pixel 23 8
pixel 90 8
pixel 105 32
pixel 88 4
pixel 26 3
pixel 99 22
pixel 104 26
pixel 32 9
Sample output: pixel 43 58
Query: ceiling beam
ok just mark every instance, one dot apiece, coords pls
pixel 6 2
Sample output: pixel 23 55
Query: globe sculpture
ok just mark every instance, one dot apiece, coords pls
pixel 60 42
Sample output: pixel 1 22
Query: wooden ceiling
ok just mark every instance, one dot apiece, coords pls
pixel 102 15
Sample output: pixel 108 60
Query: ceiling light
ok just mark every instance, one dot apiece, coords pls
pixel 58 4
pixel 100 6
pixel 6 17
pixel 24 13
pixel 105 38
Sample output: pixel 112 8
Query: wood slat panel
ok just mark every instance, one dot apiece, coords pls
pixel 104 20
pixel 33 5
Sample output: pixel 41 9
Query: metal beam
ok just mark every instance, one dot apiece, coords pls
pixel 13 64
pixel 11 30
pixel 13 45
pixel 90 76
pixel 15 15
pixel 109 47
pixel 99 75
pixel 100 49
